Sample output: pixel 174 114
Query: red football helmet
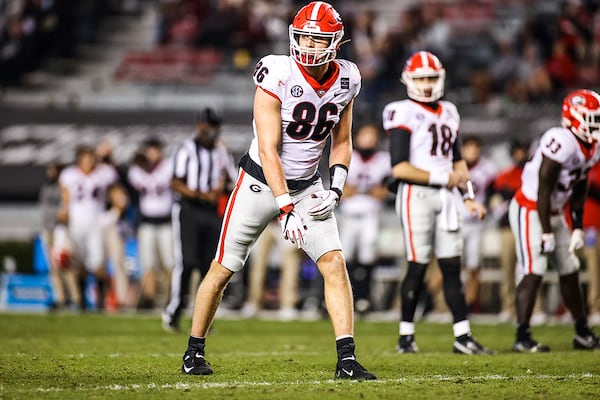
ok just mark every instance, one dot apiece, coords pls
pixel 320 21
pixel 424 64
pixel 581 114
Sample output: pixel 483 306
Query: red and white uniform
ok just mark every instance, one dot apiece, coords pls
pixel 155 235
pixel 87 201
pixel 560 145
pixel 429 215
pixel 482 175
pixel 309 111
pixel 360 213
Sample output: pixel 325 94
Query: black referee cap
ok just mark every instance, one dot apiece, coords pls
pixel 209 116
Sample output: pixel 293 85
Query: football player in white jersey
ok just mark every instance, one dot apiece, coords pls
pixel 300 101
pixel 426 160
pixel 360 210
pixel 84 189
pixel 481 173
pixel 556 174
pixel 151 179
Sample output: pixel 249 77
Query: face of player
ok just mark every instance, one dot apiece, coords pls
pixel 366 141
pixel 87 162
pixel 313 42
pixel 470 152
pixel 426 84
pixel 153 155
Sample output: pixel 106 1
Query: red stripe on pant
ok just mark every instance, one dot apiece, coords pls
pixel 228 216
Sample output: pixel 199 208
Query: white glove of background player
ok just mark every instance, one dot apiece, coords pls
pixel 577 240
pixel 329 200
pixel 292 225
pixel 548 243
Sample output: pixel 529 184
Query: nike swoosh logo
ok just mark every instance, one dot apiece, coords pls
pixel 349 373
pixel 338 93
pixel 187 370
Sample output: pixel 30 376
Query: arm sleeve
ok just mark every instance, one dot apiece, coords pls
pixel 549 171
pixel 456 154
pixel 399 145
pixel 577 202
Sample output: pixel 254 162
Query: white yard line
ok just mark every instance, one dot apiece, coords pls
pixel 246 384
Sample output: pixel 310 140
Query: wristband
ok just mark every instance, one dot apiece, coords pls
pixel 439 178
pixel 284 201
pixel 470 194
pixel 338 174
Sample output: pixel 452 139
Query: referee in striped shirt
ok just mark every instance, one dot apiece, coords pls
pixel 202 166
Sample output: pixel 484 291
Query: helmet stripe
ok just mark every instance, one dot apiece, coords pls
pixel 424 59
pixel 315 11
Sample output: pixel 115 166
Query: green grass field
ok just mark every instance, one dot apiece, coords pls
pixel 95 356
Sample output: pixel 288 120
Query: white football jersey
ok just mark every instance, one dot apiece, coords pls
pixel 87 198
pixel 309 109
pixel 433 133
pixel 481 174
pixel 560 145
pixel 154 187
pixel 366 174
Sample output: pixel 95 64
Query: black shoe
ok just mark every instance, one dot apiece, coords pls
pixel 529 346
pixel 169 323
pixel 195 364
pixel 586 342
pixel 407 344
pixel 349 368
pixel 466 344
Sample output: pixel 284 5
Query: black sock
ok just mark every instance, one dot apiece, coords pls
pixel 523 332
pixel 411 290
pixel 197 344
pixel 453 288
pixel 581 327
pixel 345 347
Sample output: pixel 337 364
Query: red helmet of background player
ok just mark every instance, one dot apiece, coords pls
pixel 424 64
pixel 320 21
pixel 581 114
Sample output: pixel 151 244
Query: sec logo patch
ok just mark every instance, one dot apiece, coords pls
pixel 297 91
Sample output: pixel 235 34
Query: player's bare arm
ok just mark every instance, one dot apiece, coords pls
pixel 62 215
pixel 341 139
pixel 267 116
pixel 461 171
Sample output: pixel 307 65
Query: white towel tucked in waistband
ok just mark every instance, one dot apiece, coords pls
pixel 450 212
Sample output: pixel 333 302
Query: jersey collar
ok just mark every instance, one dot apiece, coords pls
pixel 437 110
pixel 321 88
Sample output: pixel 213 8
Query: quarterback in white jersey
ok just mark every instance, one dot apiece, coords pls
pixel 556 174
pixel 300 101
pixel 426 160
pixel 360 210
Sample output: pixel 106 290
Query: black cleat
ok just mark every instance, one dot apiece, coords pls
pixel 349 368
pixel 466 344
pixel 407 344
pixel 587 342
pixel 195 364
pixel 529 346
